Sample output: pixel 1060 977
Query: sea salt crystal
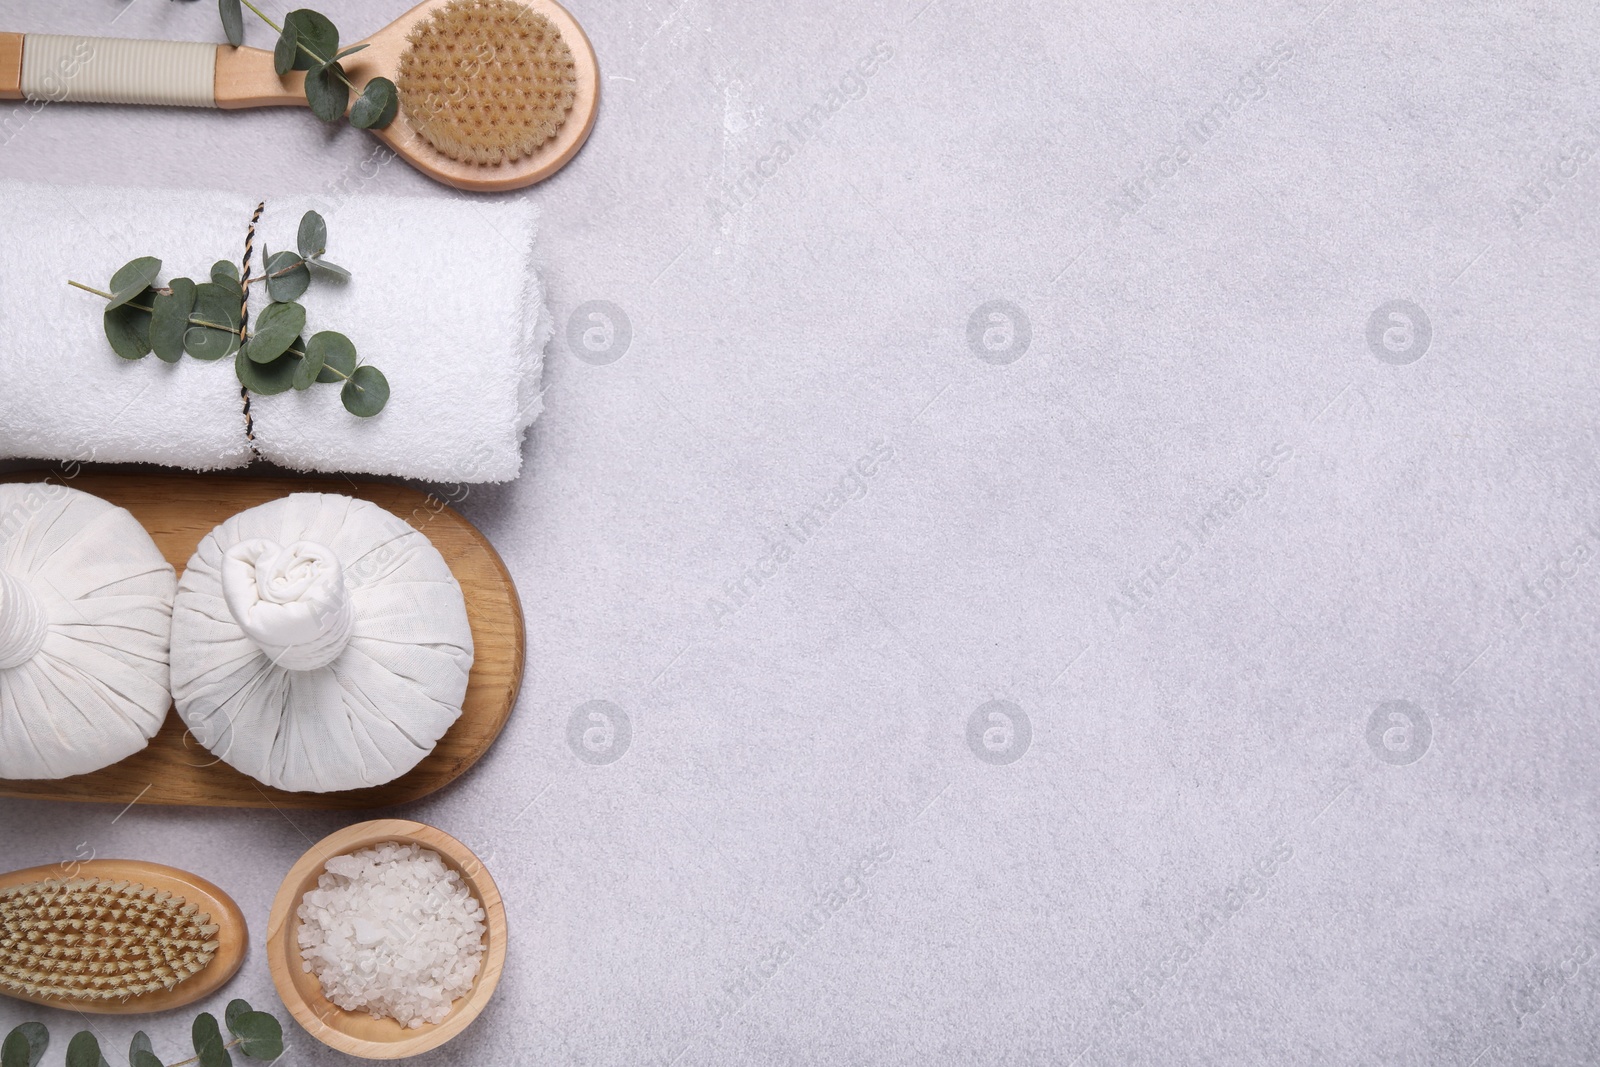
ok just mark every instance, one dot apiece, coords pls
pixel 391 930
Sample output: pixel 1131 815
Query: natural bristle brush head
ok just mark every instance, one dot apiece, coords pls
pixel 486 81
pixel 85 939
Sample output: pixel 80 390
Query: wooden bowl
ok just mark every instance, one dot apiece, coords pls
pixel 232 935
pixel 357 1032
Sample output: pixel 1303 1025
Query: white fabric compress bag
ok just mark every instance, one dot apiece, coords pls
pixel 85 615
pixel 319 643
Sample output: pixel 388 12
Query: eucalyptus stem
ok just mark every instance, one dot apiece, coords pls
pixel 331 370
pixel 111 296
pixel 336 68
pixel 262 16
pixel 140 307
pixel 280 272
pixel 92 289
pixel 330 64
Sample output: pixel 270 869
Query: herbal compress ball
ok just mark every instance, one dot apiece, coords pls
pixel 319 643
pixel 85 616
pixel 487 81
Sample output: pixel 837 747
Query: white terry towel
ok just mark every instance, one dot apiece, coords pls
pixel 444 300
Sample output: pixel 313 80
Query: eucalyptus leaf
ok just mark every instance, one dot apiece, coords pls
pixel 332 268
pixel 290 285
pixel 132 279
pixel 208 1046
pixel 231 1014
pixel 24 1046
pixel 38 1040
pixel 335 355
pixel 305 375
pixel 366 392
pixel 140 1054
pixel 352 50
pixel 314 32
pixel 276 330
pixel 84 1051
pixel 170 320
pixel 326 92
pixel 225 270
pixel 213 302
pixel 128 330
pixel 313 235
pixel 287 50
pixel 216 303
pixel 376 106
pixel 268 379
pixel 232 21
pixel 260 1035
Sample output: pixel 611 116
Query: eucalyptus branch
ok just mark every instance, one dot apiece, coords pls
pixel 316 57
pixel 309 41
pixel 256 1034
pixel 206 321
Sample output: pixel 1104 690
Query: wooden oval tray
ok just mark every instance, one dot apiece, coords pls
pixel 179 510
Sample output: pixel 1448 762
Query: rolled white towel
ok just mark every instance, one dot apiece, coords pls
pixel 64 394
pixel 444 300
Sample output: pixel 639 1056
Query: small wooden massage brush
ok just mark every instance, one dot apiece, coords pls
pixel 494 94
pixel 116 936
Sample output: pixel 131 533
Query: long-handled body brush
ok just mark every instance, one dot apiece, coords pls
pixel 494 94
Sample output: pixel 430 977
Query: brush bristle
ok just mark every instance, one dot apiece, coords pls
pixel 487 81
pixel 83 939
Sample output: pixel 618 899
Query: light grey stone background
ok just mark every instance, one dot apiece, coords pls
pixel 1205 672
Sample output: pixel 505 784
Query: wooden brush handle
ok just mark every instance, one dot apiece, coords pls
pixel 10 66
pixel 41 66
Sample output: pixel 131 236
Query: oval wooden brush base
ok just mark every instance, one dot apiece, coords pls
pixel 232 935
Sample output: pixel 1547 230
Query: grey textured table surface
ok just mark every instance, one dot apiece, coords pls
pixel 1204 671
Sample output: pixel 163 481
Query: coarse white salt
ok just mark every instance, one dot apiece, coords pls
pixel 393 931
